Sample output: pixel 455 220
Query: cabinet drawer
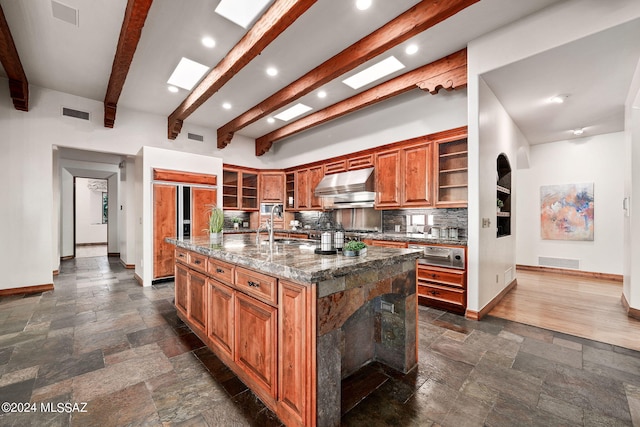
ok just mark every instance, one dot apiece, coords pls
pixel 445 276
pixel 258 285
pixel 182 255
pixel 388 244
pixel 198 261
pixel 335 167
pixel 221 270
pixel 441 293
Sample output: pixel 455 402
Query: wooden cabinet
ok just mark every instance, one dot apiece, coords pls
pixel 256 339
pixel 181 285
pixel 416 166
pixel 403 177
pixel 451 160
pixel 295 353
pixel 221 310
pixel 202 199
pixel 197 294
pixel 240 189
pixel 335 167
pixel 306 181
pixel 290 191
pixel 386 243
pixel 272 187
pixel 388 179
pixel 165 224
pixel 442 288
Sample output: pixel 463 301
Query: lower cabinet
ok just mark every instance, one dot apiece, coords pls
pixel 256 338
pixel 386 243
pixel 262 327
pixel 444 288
pixel 221 306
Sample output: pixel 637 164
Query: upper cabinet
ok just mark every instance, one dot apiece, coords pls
pixel 349 163
pixel 403 177
pixel 305 183
pixel 272 187
pixel 452 175
pixel 240 189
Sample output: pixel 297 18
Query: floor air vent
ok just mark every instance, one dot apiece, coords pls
pixel 559 262
pixel 195 137
pixel 75 113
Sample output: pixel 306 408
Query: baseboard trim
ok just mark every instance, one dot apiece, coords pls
pixel 26 290
pixel 66 258
pixel 56 272
pixel 478 315
pixel 569 272
pixel 113 254
pixel 138 279
pixel 91 244
pixel 129 266
pixel 631 312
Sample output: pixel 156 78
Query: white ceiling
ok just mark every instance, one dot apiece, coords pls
pixel 78 60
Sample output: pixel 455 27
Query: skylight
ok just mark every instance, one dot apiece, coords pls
pixel 374 72
pixel 187 74
pixel 293 112
pixel 241 12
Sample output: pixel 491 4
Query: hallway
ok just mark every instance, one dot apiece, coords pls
pixel 100 338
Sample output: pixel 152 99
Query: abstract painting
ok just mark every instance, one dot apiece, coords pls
pixel 566 212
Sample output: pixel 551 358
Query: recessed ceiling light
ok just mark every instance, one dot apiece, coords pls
pixel 241 12
pixel 363 4
pixel 271 120
pixel 558 99
pixel 293 112
pixel 187 74
pixel 272 71
pixel 374 72
pixel 411 49
pixel 578 132
pixel 172 89
pixel 226 106
pixel 322 94
pixel 208 42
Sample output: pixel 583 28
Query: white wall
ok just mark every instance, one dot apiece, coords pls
pixel 89 226
pixel 554 26
pixel 596 159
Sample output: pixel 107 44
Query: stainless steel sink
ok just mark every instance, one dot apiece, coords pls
pixel 288 241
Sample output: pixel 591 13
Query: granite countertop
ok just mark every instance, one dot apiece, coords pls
pixel 394 237
pixel 296 261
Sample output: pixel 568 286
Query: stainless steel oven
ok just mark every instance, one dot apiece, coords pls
pixel 441 256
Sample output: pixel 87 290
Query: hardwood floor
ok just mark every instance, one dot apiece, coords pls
pixel 584 307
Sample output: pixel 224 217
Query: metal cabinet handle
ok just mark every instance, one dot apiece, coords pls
pixel 434 292
pixel 434 275
pixel 180 255
pixel 253 284
pixel 197 262
pixel 219 270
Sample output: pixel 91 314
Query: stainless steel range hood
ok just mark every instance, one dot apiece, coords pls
pixel 348 189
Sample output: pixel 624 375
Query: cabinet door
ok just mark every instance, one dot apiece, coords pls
pixel 202 199
pixel 181 286
pixel 302 189
pixel 272 187
pixel 197 293
pixel 416 162
pixel 315 176
pixel 388 179
pixel 221 300
pixel 256 338
pixel 249 191
pixel 230 188
pixel 296 358
pixel 164 225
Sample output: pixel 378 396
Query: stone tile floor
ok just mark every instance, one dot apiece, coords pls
pixel 101 339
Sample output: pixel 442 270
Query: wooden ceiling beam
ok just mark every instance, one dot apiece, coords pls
pixel 135 16
pixel 273 22
pixel 419 18
pixel 449 73
pixel 18 84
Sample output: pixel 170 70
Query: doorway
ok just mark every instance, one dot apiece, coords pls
pixel 91 208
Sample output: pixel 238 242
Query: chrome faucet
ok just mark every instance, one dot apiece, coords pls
pixel 266 227
pixel 274 210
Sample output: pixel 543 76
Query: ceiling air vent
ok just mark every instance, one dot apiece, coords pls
pixel 75 113
pixel 195 137
pixel 64 13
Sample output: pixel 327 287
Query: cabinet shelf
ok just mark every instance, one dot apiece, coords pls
pixel 453 154
pixel 502 189
pixel 453 186
pixel 453 170
pixel 503 214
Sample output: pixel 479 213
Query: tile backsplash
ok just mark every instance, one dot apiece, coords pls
pixel 406 219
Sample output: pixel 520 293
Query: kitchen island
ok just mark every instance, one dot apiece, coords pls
pixel 292 324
